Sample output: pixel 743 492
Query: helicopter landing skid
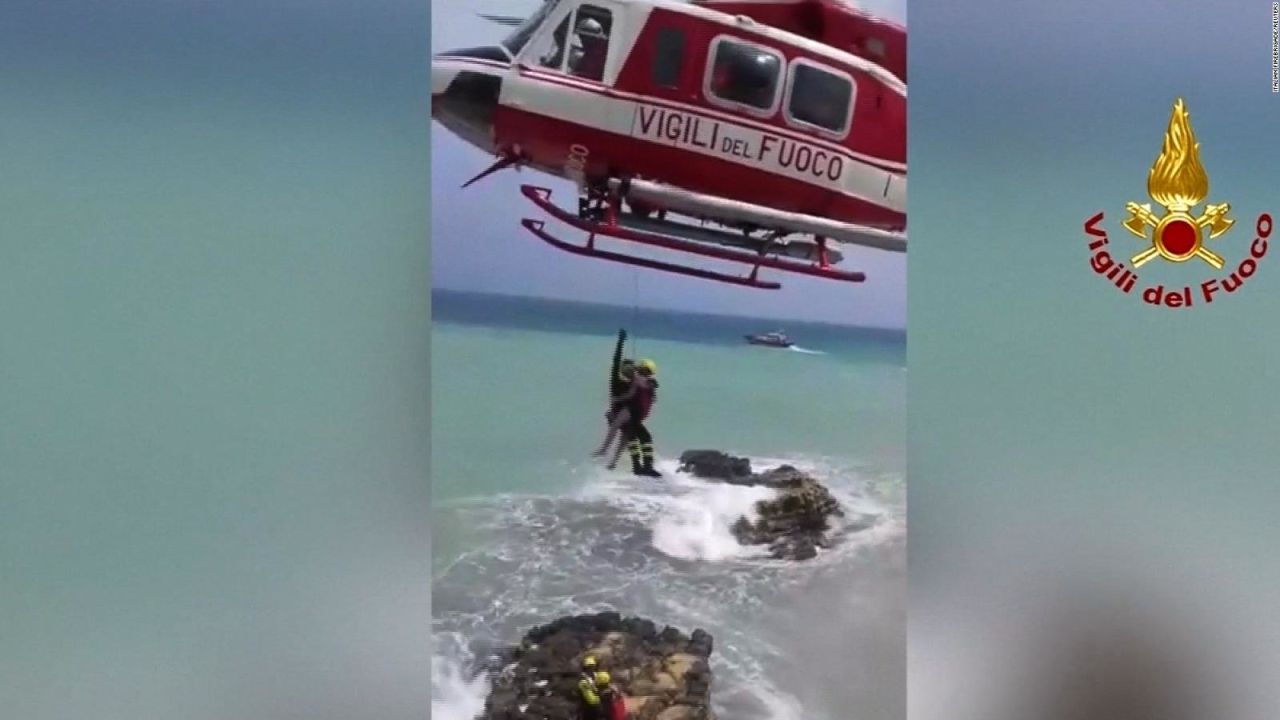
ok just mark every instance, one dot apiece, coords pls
pixel 589 250
pixel 609 227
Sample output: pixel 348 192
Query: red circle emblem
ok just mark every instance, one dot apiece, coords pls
pixel 1179 237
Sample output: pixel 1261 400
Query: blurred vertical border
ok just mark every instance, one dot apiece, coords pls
pixel 1092 478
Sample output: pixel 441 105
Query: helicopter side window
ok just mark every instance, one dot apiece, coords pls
pixel 668 57
pixel 819 97
pixel 593 26
pixel 744 75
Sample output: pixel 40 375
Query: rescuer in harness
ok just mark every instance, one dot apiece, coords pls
pixel 640 398
pixel 632 391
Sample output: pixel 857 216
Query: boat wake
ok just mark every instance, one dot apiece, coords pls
pixel 805 351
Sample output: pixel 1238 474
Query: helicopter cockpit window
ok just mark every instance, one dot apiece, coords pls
pixel 550 51
pixel 579 45
pixel 820 98
pixel 519 37
pixel 743 74
pixel 592 28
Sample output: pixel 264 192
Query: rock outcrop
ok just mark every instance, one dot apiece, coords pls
pixel 794 524
pixel 662 673
pixel 715 465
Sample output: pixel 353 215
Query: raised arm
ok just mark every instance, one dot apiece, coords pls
pixel 616 366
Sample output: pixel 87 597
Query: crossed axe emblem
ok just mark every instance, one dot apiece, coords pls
pixel 1215 218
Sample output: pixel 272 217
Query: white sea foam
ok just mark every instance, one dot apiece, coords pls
pixel 456 694
pixel 657 547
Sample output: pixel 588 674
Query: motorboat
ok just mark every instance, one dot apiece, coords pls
pixel 776 339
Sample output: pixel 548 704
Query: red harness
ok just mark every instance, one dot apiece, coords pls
pixel 644 401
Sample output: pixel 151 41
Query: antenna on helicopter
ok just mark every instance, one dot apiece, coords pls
pixel 508 20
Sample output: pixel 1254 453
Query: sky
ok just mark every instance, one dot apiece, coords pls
pixel 478 244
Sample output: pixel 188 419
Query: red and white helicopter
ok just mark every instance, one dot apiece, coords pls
pixel 752 131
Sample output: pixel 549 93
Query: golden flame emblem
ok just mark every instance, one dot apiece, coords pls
pixel 1178 182
pixel 1177 178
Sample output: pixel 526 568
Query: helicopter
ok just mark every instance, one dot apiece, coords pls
pixel 765 133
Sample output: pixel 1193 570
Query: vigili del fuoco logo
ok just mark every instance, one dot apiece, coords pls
pixel 1178 234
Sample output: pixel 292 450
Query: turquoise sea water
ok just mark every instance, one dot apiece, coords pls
pixel 527 526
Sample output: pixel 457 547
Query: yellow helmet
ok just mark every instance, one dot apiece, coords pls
pixel 649 366
pixel 588 662
pixel 602 678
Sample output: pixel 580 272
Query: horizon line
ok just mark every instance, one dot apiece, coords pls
pixel 892 329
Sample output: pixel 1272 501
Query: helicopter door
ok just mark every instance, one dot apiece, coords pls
pixel 580 43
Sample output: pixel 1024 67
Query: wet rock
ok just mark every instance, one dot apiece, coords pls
pixel 662 673
pixel 794 523
pixel 715 465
